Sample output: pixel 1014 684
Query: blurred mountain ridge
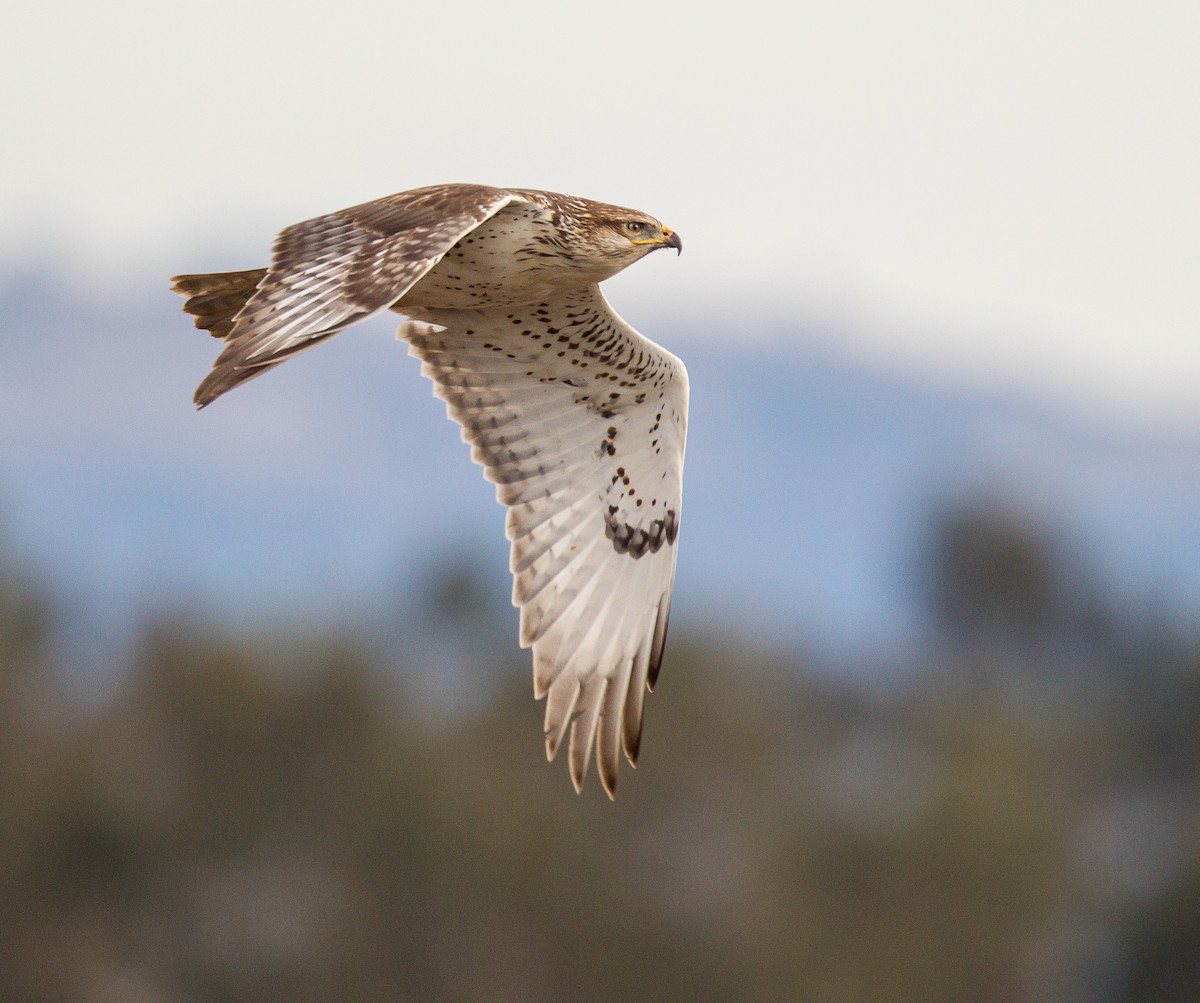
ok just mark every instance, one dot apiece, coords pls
pixel 813 480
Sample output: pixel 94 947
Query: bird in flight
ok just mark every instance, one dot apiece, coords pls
pixel 578 420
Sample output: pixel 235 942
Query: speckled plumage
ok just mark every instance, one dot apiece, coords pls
pixel 578 419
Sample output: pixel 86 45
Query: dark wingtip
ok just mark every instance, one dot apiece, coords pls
pixel 608 774
pixel 633 746
pixel 659 642
pixel 212 386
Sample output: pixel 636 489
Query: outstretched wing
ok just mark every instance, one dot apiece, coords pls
pixel 580 422
pixel 328 272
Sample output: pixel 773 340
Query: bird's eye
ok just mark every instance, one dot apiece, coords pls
pixel 634 227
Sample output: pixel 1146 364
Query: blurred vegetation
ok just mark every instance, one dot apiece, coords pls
pixel 249 818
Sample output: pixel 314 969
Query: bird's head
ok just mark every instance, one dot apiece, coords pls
pixel 596 240
pixel 613 237
pixel 629 234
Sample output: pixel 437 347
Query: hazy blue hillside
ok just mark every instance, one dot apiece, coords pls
pixel 811 481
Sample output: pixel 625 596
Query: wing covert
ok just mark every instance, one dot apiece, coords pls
pixel 331 271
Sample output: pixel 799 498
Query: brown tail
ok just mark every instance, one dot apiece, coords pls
pixel 214 300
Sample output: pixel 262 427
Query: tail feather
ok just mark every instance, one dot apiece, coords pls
pixel 215 300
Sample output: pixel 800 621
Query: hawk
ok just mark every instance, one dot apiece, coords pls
pixel 578 420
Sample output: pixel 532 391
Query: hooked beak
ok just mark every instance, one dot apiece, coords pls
pixel 669 238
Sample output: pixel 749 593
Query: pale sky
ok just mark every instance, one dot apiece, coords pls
pixel 1006 194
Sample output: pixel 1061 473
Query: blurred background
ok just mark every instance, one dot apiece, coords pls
pixel 927 724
